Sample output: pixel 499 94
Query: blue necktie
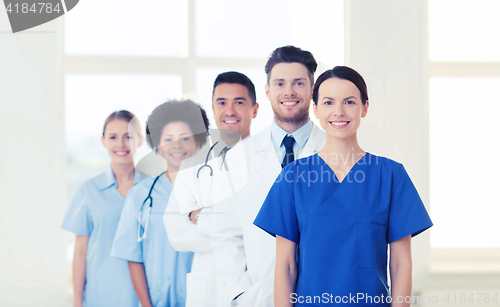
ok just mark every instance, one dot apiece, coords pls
pixel 288 142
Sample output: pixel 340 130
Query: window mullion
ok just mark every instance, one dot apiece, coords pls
pixel 464 69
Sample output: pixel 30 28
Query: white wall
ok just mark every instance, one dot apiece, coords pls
pixel 386 43
pixel 33 268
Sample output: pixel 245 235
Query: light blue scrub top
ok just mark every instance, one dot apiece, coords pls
pixel 342 230
pixel 165 267
pixel 95 212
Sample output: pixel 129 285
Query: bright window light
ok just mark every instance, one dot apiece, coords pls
pixel 464 168
pixel 125 27
pixel 91 98
pixel 464 30
pixel 238 29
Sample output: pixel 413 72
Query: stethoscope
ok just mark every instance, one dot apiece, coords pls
pixel 149 200
pixel 205 193
pixel 206 162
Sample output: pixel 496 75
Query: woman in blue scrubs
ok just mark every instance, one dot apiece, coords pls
pixel 334 214
pixel 176 129
pixel 93 215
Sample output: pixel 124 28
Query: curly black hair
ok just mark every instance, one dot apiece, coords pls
pixel 185 111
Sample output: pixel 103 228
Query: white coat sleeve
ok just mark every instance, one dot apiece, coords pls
pixel 227 242
pixel 183 234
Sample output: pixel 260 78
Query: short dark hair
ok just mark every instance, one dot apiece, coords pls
pixel 126 116
pixel 185 111
pixel 342 72
pixel 291 54
pixel 234 77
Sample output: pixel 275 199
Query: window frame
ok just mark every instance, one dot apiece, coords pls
pixel 185 67
pixel 462 261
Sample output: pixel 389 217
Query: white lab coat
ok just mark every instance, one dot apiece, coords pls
pixel 191 193
pixel 245 255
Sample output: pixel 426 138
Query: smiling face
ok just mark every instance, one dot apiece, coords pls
pixel 176 144
pixel 233 109
pixel 289 91
pixel 340 108
pixel 120 141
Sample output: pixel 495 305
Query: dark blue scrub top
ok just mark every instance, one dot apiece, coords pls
pixel 343 230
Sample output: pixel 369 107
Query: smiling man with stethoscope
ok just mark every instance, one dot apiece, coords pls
pixel 234 106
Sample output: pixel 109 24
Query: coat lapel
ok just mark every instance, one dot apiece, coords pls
pixel 264 152
pixel 315 143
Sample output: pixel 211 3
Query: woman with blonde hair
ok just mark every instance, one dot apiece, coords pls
pixel 93 215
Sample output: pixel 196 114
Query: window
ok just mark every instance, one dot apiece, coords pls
pixel 130 55
pixel 127 28
pixel 463 106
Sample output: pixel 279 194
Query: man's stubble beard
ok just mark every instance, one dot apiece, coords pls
pixel 298 118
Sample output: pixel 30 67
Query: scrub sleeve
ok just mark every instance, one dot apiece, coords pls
pixel 277 215
pixel 343 229
pixel 78 219
pixel 407 213
pixel 125 245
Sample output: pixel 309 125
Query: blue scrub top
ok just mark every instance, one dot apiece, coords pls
pixel 165 267
pixel 343 229
pixel 95 212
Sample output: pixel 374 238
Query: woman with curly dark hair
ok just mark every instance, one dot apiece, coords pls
pixel 176 130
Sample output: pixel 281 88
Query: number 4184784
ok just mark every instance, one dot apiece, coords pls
pixel 35 8
pixel 471 298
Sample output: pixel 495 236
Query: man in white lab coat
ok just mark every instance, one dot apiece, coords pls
pixel 245 255
pixel 234 106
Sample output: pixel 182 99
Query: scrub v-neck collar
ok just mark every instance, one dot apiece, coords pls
pixel 349 172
